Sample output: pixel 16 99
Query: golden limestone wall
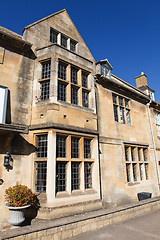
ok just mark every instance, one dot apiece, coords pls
pixel 113 137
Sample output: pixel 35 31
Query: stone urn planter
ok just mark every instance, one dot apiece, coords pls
pixel 19 198
pixel 17 215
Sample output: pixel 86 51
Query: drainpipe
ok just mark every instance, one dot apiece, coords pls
pixel 154 146
pixel 96 100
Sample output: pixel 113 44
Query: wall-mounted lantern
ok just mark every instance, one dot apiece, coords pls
pixel 7 160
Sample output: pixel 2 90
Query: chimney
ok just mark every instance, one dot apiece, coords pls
pixel 141 80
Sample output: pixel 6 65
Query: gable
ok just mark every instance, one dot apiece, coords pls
pixel 38 33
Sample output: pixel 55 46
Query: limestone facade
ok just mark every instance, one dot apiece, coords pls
pixel 78 135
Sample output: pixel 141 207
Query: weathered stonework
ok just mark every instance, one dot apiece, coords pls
pixel 56 89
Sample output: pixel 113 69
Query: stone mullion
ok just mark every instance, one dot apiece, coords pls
pixel 51 167
pixel 80 89
pixel 68 170
pixel 68 78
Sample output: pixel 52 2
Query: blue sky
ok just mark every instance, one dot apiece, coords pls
pixel 127 32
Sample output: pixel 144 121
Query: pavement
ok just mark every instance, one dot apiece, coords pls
pixel 146 227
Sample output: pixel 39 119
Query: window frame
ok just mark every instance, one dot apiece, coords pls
pixel 121 109
pixel 45 80
pixel 73 159
pixel 136 166
pixel 41 159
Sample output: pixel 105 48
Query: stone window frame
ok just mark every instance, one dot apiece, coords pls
pixel 53 35
pixel 71 44
pixel 80 160
pixel 137 167
pixel 121 109
pixel 44 80
pixel 76 85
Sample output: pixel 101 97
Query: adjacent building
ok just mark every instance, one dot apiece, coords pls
pixel 75 134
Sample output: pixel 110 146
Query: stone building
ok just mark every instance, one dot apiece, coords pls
pixel 127 137
pixel 77 135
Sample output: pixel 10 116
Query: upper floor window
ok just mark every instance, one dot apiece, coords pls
pixel 157 120
pixel 53 35
pixel 121 109
pixel 84 80
pixel 74 73
pixel 46 69
pixel 151 95
pixel 73 84
pixel 45 80
pixel 62 71
pixel 72 45
pixel 63 41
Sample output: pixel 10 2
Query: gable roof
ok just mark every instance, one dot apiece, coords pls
pixel 43 19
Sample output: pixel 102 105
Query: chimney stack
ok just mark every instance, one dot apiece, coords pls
pixel 141 80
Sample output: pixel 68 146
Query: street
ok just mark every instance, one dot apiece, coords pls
pixel 145 227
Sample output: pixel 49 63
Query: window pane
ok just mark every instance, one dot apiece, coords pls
pixel 74 97
pixel 72 46
pixel 41 176
pixel 120 101
pixel 84 80
pixel 46 69
pixel 63 41
pixel 84 99
pixel 42 146
pixel 141 170
pixel 122 115
pixel 115 113
pixel 132 153
pixel 62 71
pixel 74 75
pixel 60 176
pixel 53 36
pixel 139 154
pixel 45 88
pixel 114 99
pixel 74 147
pixel 75 175
pixel 128 172
pixel 61 92
pixel 88 174
pixel 126 153
pixel 146 170
pixel 126 103
pixel 87 148
pixel 61 146
pixel 128 116
pixel 134 171
pixel 145 154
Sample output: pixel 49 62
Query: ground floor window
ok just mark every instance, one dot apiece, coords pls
pixel 75 175
pixel 73 161
pixel 60 176
pixel 41 176
pixel 74 166
pixel 136 163
pixel 88 174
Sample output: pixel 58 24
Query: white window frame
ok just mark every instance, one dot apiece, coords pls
pixel 3 103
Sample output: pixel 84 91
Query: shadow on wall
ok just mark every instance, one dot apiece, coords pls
pixel 8 114
pixel 15 144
